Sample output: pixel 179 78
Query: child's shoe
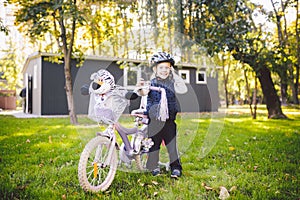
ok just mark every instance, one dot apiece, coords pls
pixel 175 173
pixel 155 172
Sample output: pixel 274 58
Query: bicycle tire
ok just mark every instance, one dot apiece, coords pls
pixel 92 174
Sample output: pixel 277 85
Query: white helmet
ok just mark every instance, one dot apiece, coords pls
pixel 102 83
pixel 160 57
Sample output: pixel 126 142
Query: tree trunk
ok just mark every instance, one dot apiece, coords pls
pixel 248 93
pixel 69 90
pixel 255 98
pixel 67 66
pixel 296 84
pixel 272 99
pixel 294 93
pixel 283 89
pixel 225 79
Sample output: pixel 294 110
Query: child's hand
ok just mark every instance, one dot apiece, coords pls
pixel 142 87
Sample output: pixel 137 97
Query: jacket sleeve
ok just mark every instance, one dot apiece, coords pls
pixel 179 84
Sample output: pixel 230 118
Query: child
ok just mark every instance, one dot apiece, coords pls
pixel 164 130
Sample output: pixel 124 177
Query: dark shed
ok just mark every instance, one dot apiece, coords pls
pixel 44 80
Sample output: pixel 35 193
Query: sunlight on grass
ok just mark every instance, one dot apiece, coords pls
pixel 23 133
pixel 198 120
pixel 257 159
pixel 3 137
pixel 47 145
pixel 236 120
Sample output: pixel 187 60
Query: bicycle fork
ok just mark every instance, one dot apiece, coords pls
pixel 112 138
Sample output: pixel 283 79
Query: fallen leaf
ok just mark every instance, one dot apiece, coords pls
pixel 224 194
pixel 208 188
pixel 255 168
pixel 232 189
pixel 107 192
pixel 155 183
pixel 231 148
pixel 64 197
pixel 142 184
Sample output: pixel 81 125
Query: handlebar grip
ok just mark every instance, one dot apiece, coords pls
pixel 84 90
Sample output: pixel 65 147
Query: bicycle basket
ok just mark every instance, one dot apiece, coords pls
pixel 109 107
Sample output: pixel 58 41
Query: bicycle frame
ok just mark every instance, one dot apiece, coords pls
pixel 96 171
pixel 124 132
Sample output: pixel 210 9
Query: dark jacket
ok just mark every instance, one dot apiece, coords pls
pixel 154 97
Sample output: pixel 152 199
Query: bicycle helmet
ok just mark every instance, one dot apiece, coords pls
pixel 160 57
pixel 103 82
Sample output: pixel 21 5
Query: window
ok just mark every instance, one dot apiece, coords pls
pixel 131 76
pixel 185 75
pixel 200 77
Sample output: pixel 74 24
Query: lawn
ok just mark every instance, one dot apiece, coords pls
pixel 252 159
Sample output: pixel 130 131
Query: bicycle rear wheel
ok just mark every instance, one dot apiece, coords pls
pixel 93 174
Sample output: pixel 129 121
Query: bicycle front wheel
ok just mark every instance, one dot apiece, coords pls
pixel 94 172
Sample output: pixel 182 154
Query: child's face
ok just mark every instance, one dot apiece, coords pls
pixel 163 70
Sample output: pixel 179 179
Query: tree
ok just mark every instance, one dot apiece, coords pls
pixel 226 26
pixel 3 28
pixel 283 67
pixel 254 97
pixel 99 27
pixel 60 18
pixel 229 26
pixel 224 59
pixel 10 69
pixel 297 35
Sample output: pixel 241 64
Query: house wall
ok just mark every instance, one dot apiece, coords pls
pixel 200 97
pixel 83 77
pixel 54 99
pixel 49 96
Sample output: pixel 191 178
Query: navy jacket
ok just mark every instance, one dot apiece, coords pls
pixel 153 98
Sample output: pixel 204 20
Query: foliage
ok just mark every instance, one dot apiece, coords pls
pixel 11 70
pixel 188 29
pixel 3 28
pixel 255 159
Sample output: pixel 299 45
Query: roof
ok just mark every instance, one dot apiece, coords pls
pixel 102 58
pixel 87 57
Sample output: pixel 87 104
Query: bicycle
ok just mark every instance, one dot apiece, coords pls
pixel 99 160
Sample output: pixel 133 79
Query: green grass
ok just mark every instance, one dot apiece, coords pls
pixel 259 159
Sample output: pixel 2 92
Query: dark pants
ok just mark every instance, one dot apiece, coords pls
pixel 166 131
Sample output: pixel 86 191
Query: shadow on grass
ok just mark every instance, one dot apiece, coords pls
pixel 39 158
